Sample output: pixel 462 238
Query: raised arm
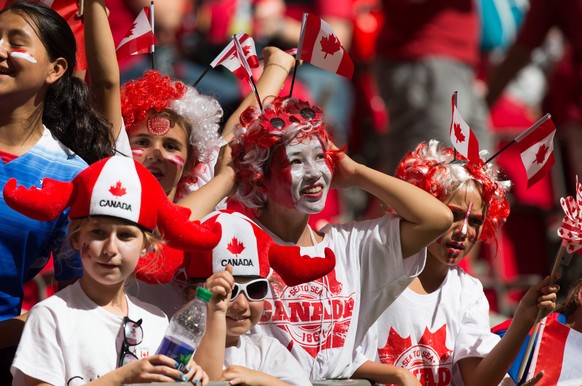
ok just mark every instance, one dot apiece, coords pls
pixel 277 65
pixel 102 64
pixel 210 352
pixel 424 217
pixel 491 369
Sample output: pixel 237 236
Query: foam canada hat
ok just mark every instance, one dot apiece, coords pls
pixel 116 187
pixel 252 252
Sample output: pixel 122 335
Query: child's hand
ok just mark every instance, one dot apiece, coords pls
pixel 224 167
pixel 196 374
pixel 221 285
pixel 156 368
pixel 239 375
pixel 541 296
pixel 345 171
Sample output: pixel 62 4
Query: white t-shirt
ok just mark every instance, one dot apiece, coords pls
pixel 322 322
pixel 266 354
pixel 429 334
pixel 70 340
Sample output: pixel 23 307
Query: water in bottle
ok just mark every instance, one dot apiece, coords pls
pixel 186 329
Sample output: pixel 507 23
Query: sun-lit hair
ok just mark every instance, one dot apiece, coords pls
pixel 570 304
pixel 155 93
pixel 433 168
pixel 259 136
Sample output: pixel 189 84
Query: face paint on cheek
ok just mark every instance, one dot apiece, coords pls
pixel 177 160
pixel 85 252
pixel 279 188
pixel 466 220
pixel 22 54
pixel 158 125
pixel 137 153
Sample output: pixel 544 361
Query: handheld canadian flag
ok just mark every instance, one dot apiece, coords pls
pixel 230 59
pixel 319 46
pixel 536 146
pixel 557 353
pixel 462 137
pixel 140 38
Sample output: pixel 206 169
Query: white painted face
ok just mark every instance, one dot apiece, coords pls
pixel 300 180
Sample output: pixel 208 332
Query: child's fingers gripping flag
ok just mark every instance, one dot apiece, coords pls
pixel 229 58
pixel 536 146
pixel 140 38
pixel 319 46
pixel 462 137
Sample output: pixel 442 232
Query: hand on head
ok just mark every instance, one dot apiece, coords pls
pixel 345 169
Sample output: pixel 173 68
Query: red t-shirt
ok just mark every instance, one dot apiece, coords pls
pixel 419 29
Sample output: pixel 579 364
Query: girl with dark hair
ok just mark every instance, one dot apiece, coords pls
pixel 47 129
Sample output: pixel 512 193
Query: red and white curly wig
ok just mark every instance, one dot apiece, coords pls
pixel 257 140
pixel 433 168
pixel 155 93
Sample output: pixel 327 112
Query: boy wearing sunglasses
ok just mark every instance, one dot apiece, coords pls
pixel 235 272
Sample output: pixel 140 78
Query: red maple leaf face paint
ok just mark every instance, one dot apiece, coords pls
pixel 158 125
pixel 23 54
pixel 300 176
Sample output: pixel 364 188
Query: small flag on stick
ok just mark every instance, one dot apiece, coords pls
pixel 319 45
pixel 462 137
pixel 140 38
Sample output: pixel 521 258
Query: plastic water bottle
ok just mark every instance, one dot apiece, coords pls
pixel 186 329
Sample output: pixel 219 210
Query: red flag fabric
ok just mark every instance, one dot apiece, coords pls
pixel 319 46
pixel 557 353
pixel 537 151
pixel 139 39
pixel 228 56
pixel 69 9
pixel 462 137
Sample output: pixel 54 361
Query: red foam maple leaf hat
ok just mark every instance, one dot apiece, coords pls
pixel 116 187
pixel 253 252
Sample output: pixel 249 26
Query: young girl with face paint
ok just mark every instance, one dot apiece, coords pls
pixel 173 131
pixel 285 166
pixel 47 129
pixel 92 332
pixel 438 328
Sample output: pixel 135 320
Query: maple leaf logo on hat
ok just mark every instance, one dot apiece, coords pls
pixel 144 201
pixel 255 253
pixel 117 190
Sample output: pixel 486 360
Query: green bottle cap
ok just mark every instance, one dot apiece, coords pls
pixel 203 294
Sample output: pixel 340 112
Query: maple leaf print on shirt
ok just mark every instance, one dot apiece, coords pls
pixel 235 247
pixel 117 190
pixel 458 132
pixel 330 45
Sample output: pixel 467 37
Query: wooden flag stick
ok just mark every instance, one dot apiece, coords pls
pixel 553 277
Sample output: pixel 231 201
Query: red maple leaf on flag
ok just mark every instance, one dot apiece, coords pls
pixel 330 45
pixel 458 132
pixel 235 247
pixel 541 154
pixel 117 190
